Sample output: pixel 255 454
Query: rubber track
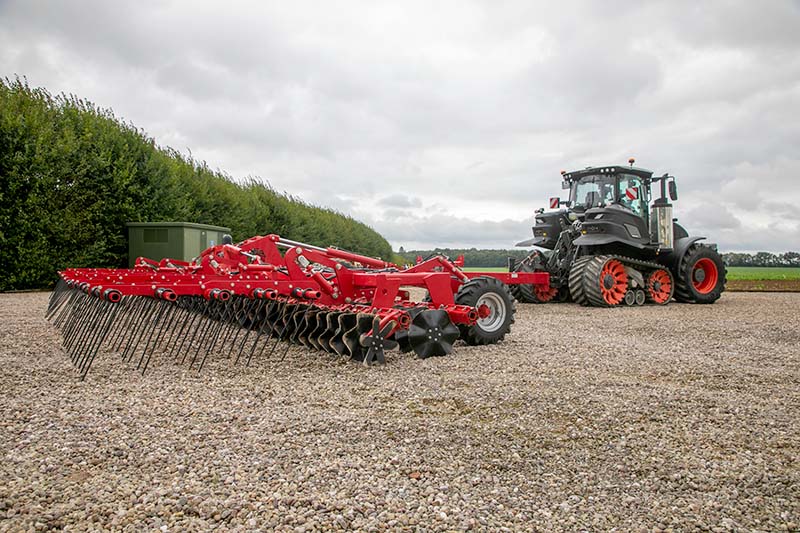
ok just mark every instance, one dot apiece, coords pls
pixel 586 284
pixel 576 273
pixel 591 280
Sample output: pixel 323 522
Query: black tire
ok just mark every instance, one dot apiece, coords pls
pixel 496 294
pixel 576 290
pixel 688 288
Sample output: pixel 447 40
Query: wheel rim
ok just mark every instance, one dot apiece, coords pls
pixel 544 293
pixel 613 282
pixel 497 312
pixel 704 275
pixel 659 286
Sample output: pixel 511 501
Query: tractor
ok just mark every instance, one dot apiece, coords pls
pixel 610 246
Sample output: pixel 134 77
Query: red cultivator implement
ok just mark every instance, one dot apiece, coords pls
pixel 240 301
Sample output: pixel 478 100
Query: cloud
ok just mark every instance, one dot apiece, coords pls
pixel 400 200
pixel 464 110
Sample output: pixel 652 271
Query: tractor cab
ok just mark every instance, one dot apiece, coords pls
pixel 608 186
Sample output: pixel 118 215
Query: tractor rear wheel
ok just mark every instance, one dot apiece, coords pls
pixel 701 276
pixel 531 294
pixel 497 302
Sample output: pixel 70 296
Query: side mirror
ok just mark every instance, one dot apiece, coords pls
pixel 673 191
pixel 565 184
pixel 555 202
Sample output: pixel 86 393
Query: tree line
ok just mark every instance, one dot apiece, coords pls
pixel 72 174
pixel 762 259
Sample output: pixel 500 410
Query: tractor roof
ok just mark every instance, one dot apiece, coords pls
pixel 612 169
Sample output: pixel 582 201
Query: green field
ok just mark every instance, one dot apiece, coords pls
pixel 485 269
pixel 763 273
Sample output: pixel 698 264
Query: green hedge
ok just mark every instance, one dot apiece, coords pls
pixel 72 175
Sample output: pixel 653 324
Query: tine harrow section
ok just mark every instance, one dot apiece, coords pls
pixel 242 301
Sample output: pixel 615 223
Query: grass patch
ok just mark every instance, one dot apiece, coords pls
pixel 485 269
pixel 763 273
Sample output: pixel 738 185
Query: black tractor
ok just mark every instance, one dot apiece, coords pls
pixel 610 246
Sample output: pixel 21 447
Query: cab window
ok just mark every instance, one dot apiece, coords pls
pixel 630 193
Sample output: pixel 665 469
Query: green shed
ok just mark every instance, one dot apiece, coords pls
pixel 177 240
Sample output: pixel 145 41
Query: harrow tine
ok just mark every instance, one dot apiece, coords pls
pixel 208 322
pixel 139 327
pixel 170 310
pixel 271 323
pixel 196 312
pixel 223 321
pixel 277 324
pixel 161 305
pixel 252 325
pixel 90 357
pixel 299 323
pixel 286 319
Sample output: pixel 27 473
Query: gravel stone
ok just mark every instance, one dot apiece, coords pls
pixel 676 418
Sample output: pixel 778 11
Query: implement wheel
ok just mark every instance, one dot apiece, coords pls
pixel 495 305
pixel 701 276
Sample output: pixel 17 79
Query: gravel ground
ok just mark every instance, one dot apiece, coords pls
pixel 682 418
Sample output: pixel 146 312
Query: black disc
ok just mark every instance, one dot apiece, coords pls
pixel 351 337
pixel 401 335
pixel 432 333
pixel 347 321
pixel 331 325
pixel 321 322
pixel 376 341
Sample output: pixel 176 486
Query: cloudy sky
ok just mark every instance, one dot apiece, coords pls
pixel 446 123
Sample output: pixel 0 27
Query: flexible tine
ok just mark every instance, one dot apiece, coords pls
pixel 216 331
pixel 74 318
pixel 192 317
pixel 157 324
pixel 88 327
pixel 186 314
pixel 252 326
pixel 80 329
pixel 128 325
pixel 124 312
pixel 207 326
pixel 302 320
pixel 287 321
pixel 97 333
pixel 67 310
pixel 84 369
pixel 162 321
pixel 239 314
pixel 57 298
pixel 281 307
pixel 138 331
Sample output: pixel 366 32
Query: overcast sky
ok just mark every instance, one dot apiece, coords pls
pixel 447 123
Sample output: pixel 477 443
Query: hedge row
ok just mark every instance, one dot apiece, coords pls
pixel 72 174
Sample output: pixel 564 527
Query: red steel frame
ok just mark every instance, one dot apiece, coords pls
pixel 255 268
